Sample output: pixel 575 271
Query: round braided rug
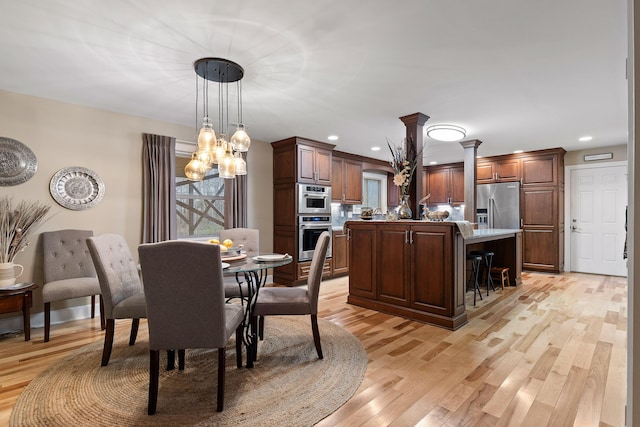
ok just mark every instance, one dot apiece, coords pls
pixel 288 386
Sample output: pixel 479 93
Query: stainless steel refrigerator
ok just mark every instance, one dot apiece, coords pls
pixel 498 205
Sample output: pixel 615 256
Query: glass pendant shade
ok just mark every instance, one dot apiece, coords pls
pixel 219 149
pixel 241 165
pixel 240 141
pixel 194 170
pixel 227 165
pixel 204 157
pixel 207 136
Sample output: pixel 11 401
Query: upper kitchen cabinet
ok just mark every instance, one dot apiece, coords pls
pixel 302 160
pixel 543 167
pixel 445 184
pixel 501 169
pixel 346 181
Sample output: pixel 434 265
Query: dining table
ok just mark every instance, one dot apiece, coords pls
pixel 253 271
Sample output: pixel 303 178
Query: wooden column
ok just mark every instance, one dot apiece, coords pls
pixel 414 124
pixel 470 153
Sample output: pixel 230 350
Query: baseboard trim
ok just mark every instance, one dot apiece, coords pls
pixel 15 324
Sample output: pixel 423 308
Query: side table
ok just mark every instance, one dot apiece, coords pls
pixel 19 299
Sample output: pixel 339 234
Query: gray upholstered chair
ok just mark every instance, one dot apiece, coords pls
pixel 121 287
pixel 296 300
pixel 68 272
pixel 250 239
pixel 186 307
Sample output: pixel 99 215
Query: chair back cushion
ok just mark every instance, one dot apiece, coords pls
pixel 248 237
pixel 66 255
pixel 116 269
pixel 315 272
pixel 184 294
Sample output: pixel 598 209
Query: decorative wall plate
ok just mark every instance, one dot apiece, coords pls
pixel 76 188
pixel 17 162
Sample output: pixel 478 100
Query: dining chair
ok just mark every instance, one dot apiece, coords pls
pixel 120 284
pixel 250 239
pixel 68 272
pixel 295 300
pixel 186 306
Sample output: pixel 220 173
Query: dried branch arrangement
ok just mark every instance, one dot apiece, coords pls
pixel 17 224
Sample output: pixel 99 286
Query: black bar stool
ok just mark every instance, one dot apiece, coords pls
pixel 486 268
pixel 476 260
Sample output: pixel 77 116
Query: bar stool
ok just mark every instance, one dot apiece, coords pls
pixel 488 259
pixel 476 260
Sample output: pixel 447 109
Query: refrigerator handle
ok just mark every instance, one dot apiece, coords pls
pixel 490 212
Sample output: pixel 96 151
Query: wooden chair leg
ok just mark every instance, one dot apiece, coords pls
pixel 181 354
pixel 316 335
pixel 108 342
pixel 154 372
pixel 221 368
pixel 171 360
pixel 239 346
pixel 47 321
pixel 93 306
pixel 134 331
pixel 102 320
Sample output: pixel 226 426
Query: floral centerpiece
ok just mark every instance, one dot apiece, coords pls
pixel 404 161
pixel 17 224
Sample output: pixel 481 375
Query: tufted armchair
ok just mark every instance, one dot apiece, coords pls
pixel 120 284
pixel 68 272
pixel 250 239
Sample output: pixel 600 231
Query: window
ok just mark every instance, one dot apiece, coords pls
pixel 200 205
pixel 374 190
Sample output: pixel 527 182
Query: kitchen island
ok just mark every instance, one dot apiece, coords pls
pixel 417 269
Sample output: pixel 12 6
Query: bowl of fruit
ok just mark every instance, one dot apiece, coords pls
pixel 226 247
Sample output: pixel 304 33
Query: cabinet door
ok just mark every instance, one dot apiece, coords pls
pixel 540 237
pixel 432 270
pixel 457 185
pixel 439 186
pixel 352 172
pixel 392 270
pixel 540 170
pixel 337 180
pixel 508 170
pixel 340 253
pixel 322 162
pixel 362 261
pixel 306 164
pixel 485 172
pixel 393 193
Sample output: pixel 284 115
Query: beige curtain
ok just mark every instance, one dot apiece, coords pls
pixel 159 190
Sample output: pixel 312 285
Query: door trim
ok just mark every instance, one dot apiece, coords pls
pixel 567 202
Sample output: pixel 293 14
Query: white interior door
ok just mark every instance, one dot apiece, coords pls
pixel 597 220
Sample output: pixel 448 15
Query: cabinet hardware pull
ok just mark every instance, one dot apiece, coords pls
pixel 348 234
pixel 406 236
pixel 411 237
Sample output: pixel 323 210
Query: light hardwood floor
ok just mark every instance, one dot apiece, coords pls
pixel 550 352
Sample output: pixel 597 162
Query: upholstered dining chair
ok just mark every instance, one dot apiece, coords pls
pixel 120 284
pixel 250 239
pixel 296 300
pixel 186 306
pixel 68 272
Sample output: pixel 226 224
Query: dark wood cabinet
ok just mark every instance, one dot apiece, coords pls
pixel 314 165
pixel 340 253
pixel 498 170
pixel 542 207
pixel 361 261
pixel 445 184
pixel 305 267
pixel 346 181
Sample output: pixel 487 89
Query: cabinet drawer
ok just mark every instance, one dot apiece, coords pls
pixel 305 267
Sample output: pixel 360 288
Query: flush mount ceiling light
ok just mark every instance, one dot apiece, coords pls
pixel 447 133
pixel 215 149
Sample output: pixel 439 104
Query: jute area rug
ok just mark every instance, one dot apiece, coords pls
pixel 288 386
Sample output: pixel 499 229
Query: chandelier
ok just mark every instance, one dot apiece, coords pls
pixel 213 148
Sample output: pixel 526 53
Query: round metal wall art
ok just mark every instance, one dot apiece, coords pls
pixel 17 162
pixel 76 188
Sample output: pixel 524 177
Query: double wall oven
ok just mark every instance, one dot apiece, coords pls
pixel 314 217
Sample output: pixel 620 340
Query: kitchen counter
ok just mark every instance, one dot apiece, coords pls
pixel 418 269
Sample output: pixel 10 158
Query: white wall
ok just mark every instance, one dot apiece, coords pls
pixel 63 135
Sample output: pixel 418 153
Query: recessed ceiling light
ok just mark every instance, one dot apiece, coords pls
pixel 332 137
pixel 375 148
pixel 433 162
pixel 585 138
pixel 518 151
pixel 447 133
pixel 478 157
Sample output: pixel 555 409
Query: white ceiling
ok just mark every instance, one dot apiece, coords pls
pixel 517 74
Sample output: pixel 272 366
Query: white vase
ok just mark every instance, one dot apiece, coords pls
pixel 9 272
